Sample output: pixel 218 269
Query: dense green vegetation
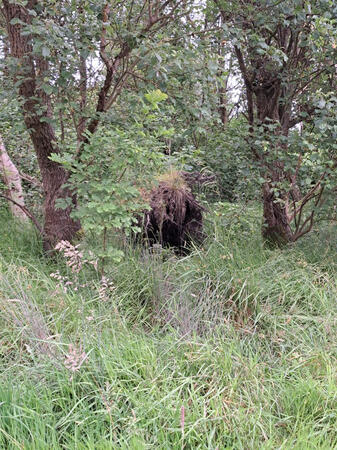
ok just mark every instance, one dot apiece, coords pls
pixel 207 351
pixel 168 223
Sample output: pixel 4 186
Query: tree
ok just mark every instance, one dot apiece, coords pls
pixel 283 50
pixel 12 181
pixel 54 47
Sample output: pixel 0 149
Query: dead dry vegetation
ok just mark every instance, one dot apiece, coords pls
pixel 174 218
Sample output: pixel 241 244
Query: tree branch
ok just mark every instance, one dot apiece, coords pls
pixel 26 211
pixel 33 181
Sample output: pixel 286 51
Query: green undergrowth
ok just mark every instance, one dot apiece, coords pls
pixel 232 346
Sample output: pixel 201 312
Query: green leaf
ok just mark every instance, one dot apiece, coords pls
pixel 45 52
pixel 16 21
pixel 47 89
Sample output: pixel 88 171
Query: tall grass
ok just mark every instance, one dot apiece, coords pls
pixel 232 346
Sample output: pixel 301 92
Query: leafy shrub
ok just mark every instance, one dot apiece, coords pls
pixel 109 197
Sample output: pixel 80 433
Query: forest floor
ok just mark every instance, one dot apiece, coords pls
pixel 233 346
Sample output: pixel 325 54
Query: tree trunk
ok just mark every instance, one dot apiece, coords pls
pixel 58 224
pixel 276 228
pixel 12 181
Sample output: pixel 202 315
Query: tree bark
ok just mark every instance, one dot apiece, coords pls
pixel 276 229
pixel 12 181
pixel 223 107
pixel 58 224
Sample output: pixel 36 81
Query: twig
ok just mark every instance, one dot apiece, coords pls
pixel 308 196
pixel 309 219
pixel 31 180
pixel 27 212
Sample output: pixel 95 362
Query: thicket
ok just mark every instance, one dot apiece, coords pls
pixel 107 342
pixel 247 94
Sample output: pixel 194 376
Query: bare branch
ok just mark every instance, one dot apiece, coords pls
pixel 103 44
pixel 308 196
pixel 33 181
pixel 26 211
pixel 310 219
